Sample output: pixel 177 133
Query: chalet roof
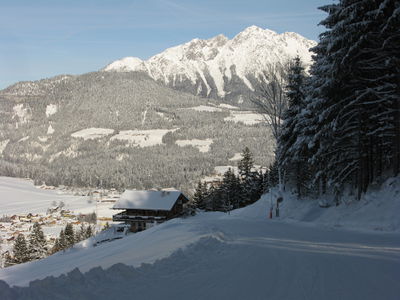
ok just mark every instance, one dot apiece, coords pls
pixel 153 200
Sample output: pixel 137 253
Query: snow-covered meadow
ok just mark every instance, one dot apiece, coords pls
pixel 142 138
pixel 20 196
pixel 202 145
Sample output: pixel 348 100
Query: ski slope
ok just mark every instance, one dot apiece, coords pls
pixel 242 255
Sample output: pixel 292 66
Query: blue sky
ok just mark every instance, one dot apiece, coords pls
pixel 43 38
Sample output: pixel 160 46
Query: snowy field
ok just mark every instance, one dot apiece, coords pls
pixel 227 106
pixel 142 138
pixel 241 255
pixel 245 117
pixel 205 108
pixel 92 133
pixel 236 157
pixel 202 145
pixel 20 196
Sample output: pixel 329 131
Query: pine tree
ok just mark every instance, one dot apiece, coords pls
pixel 199 196
pixel 291 154
pixel 62 242
pixel 69 235
pixel 37 243
pixel 229 189
pixel 250 181
pixel 20 250
pixel 89 232
pixel 355 93
pixel 246 164
pixel 80 234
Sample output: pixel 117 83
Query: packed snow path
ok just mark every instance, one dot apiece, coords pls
pixel 221 256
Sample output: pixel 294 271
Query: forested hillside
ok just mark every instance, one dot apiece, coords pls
pixel 107 129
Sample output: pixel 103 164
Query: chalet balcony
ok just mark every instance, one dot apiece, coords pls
pixel 124 217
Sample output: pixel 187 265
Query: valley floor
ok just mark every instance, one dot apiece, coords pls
pixel 242 255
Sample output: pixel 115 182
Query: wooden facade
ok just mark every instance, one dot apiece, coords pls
pixel 141 219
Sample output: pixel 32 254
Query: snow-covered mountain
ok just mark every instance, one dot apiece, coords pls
pixel 220 67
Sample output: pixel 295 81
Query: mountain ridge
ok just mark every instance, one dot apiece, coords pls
pixel 209 67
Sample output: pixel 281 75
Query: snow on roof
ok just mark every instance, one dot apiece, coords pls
pixel 157 200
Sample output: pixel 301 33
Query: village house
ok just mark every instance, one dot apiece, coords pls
pixel 144 209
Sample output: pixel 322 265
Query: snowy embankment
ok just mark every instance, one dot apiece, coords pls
pixel 242 255
pixel 378 210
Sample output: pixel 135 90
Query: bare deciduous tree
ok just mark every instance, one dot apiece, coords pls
pixel 269 95
pixel 270 100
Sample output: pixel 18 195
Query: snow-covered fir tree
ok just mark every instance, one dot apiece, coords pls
pixel 20 250
pixel 69 235
pixel 199 196
pixel 37 243
pixel 350 130
pixel 290 156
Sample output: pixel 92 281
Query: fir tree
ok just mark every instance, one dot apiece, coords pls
pixel 89 232
pixel 20 250
pixel 246 164
pixel 69 235
pixel 37 243
pixel 292 155
pixel 354 94
pixel 199 196
pixel 80 234
pixel 62 242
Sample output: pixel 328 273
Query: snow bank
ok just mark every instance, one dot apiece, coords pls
pixel 377 210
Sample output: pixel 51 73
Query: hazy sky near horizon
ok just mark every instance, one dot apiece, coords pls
pixel 43 38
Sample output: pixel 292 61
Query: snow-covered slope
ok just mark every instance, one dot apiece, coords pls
pixel 219 66
pixel 242 255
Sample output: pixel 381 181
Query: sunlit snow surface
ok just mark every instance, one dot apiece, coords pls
pixel 18 196
pixel 51 109
pixel 142 138
pixel 241 255
pixel 245 117
pixel 92 133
